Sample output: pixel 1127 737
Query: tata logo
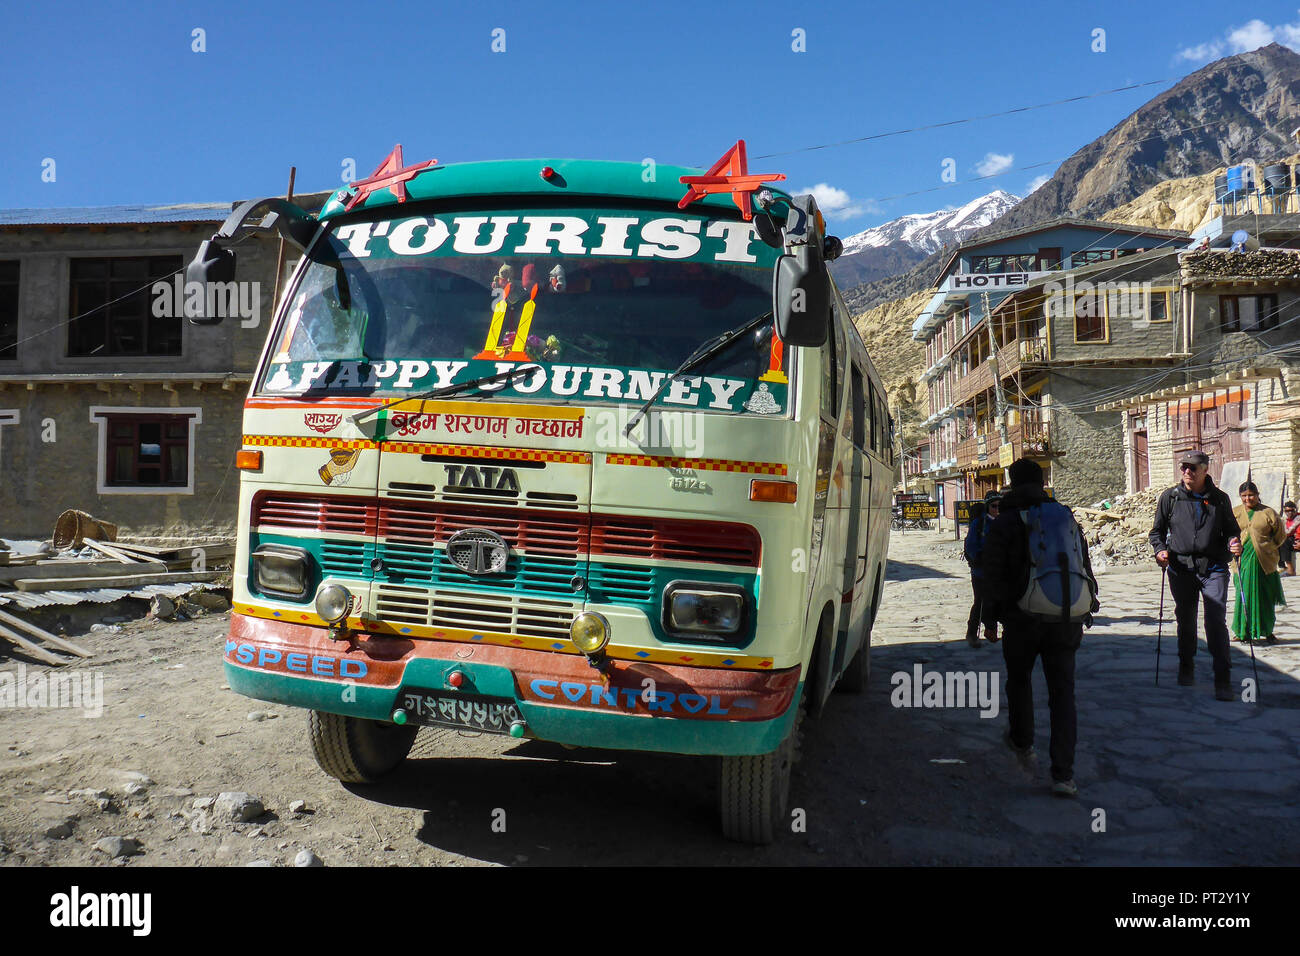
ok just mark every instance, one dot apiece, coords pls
pixel 469 477
pixel 478 551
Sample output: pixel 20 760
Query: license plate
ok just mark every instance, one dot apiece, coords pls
pixel 473 711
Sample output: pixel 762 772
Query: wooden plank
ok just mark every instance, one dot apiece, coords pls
pixel 32 648
pixel 52 639
pixel 146 549
pixel 127 581
pixel 85 567
pixel 117 555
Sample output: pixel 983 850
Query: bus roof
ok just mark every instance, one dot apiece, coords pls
pixel 523 177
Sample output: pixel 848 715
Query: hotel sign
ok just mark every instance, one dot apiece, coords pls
pixel 988 282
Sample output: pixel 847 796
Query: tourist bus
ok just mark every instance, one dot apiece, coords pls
pixel 564 451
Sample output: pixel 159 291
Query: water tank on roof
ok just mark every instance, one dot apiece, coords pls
pixel 1277 178
pixel 1241 180
pixel 1220 188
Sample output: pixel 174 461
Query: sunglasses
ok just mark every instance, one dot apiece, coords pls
pixel 1186 467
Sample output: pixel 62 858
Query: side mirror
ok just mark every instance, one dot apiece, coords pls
pixel 211 264
pixel 801 296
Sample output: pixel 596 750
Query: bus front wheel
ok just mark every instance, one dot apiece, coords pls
pixel 755 790
pixel 356 750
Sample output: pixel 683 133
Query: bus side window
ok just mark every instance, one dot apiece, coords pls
pixel 858 410
pixel 830 375
pixel 878 438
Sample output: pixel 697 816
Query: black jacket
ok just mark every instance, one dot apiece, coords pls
pixel 1006 553
pixel 1192 547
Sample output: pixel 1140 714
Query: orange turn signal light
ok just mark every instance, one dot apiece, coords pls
pixel 248 460
pixel 783 491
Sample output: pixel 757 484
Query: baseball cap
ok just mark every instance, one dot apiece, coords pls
pixel 993 497
pixel 1195 458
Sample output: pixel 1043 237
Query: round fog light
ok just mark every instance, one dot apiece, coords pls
pixel 590 631
pixel 332 602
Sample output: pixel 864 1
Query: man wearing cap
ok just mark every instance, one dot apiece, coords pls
pixel 1195 536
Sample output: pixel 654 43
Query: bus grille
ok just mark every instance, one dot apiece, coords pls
pixel 474 612
pixel 538 532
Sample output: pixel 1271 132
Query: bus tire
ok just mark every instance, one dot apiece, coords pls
pixel 755 790
pixel 356 750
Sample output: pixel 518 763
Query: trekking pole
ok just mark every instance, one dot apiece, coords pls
pixel 1160 627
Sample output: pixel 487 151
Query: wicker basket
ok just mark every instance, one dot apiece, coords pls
pixel 74 527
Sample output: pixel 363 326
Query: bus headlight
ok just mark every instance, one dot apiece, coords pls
pixel 332 602
pixel 281 570
pixel 699 608
pixel 590 632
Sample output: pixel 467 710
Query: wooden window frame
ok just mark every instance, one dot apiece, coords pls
pixel 1105 320
pixel 84 320
pixel 105 417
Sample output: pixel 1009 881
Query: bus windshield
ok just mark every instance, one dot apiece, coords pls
pixel 602 304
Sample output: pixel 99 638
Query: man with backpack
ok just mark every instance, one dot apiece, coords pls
pixel 982 610
pixel 1036 567
pixel 1194 536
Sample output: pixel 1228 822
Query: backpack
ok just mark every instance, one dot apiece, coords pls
pixel 1060 590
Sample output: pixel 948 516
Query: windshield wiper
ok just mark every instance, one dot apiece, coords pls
pixel 707 350
pixel 445 390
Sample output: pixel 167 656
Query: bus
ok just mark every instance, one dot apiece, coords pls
pixel 562 451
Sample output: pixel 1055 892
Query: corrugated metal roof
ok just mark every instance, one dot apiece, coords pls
pixel 35 599
pixel 105 215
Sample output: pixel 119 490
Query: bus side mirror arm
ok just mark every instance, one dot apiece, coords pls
pixel 801 290
pixel 215 263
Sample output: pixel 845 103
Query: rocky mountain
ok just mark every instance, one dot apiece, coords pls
pixel 899 244
pixel 1237 108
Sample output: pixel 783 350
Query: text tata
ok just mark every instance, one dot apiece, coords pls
pixel 666 238
pixel 589 381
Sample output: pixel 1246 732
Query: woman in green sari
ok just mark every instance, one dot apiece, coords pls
pixel 1259 586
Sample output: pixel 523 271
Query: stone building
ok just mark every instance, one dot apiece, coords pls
pixel 110 401
pixel 1237 397
pixel 1026 330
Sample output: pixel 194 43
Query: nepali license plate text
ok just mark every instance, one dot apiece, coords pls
pixel 473 711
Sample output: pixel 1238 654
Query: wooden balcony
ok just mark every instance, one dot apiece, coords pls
pixel 974 383
pixel 1031 438
pixel 1018 353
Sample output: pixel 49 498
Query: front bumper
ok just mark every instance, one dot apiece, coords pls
pixel 644 705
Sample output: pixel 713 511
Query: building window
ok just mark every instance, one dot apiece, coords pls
pixel 111 308
pixel 146 450
pixel 987 265
pixel 1089 320
pixel 1247 313
pixel 8 310
pixel 1158 307
pixel 1086 257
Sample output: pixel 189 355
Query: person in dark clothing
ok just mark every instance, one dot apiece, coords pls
pixel 1025 638
pixel 1194 535
pixel 981 610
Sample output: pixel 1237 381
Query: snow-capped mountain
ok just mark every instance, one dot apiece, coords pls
pixel 929 232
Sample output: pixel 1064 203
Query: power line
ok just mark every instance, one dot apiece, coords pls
pixel 967 119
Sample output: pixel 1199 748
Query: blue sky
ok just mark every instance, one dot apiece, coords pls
pixel 130 113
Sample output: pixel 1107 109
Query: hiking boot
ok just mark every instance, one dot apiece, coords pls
pixel 1186 675
pixel 1224 692
pixel 1065 788
pixel 1025 756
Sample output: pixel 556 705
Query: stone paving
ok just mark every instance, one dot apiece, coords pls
pixel 1181 777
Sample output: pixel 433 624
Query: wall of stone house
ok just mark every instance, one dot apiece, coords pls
pixel 44 290
pixel 51 461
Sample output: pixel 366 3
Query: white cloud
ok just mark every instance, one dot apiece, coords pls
pixel 1035 183
pixel 836 203
pixel 1249 36
pixel 994 163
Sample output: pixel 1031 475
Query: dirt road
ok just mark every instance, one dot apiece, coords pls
pixel 1180 778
